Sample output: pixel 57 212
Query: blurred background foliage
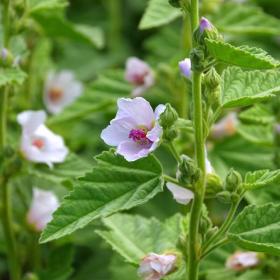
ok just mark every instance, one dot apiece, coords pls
pixel 93 38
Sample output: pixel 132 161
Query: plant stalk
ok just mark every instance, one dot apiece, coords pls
pixel 14 267
pixel 194 242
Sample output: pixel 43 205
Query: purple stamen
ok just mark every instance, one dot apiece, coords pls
pixel 139 136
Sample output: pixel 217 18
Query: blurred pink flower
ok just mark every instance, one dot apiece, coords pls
pixel 43 204
pixel 140 74
pixel 180 194
pixel 135 130
pixel 242 260
pixel 38 143
pixel 61 90
pixel 205 24
pixel 225 127
pixel 185 67
pixel 155 267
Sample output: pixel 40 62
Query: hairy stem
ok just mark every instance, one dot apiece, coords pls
pixel 194 243
pixel 14 267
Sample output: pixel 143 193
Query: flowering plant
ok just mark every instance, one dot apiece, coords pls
pixel 163 146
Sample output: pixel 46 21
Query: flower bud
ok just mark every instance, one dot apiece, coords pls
pixel 197 59
pixel 205 24
pixel 213 185
pixel 155 267
pixel 233 180
pixel 205 224
pixel 185 67
pixel 224 197
pixel 212 79
pixel 168 117
pixel 6 58
pixel 187 172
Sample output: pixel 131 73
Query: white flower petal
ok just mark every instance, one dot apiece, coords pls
pixel 31 120
pixel 181 195
pixel 132 151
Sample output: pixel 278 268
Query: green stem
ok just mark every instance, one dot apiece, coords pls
pixel 217 245
pixel 174 151
pixel 14 267
pixel 194 243
pixel 173 180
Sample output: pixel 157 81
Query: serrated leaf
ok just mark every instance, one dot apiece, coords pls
pixel 243 56
pixel 245 19
pixel 11 76
pixel 259 134
pixel 55 25
pixel 258 114
pixel 113 185
pixel 257 228
pixel 242 88
pixel 261 178
pixel 133 236
pixel 157 13
pixel 36 6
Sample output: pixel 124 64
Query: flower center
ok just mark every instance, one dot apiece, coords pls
pixel 55 94
pixel 139 79
pixel 140 136
pixel 38 143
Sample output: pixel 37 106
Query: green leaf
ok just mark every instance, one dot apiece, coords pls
pixel 245 19
pixel 243 56
pixel 11 76
pixel 157 13
pixel 55 25
pixel 258 114
pixel 257 228
pixel 259 134
pixel 113 185
pixel 261 178
pixel 99 96
pixel 134 236
pixel 242 88
pixel 36 6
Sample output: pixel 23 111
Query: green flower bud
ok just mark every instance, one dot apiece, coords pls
pixel 214 185
pixel 205 225
pixel 168 117
pixel 224 197
pixel 197 59
pixel 233 180
pixel 212 79
pixel 187 172
pixel 169 134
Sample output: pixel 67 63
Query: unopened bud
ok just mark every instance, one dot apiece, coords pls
pixel 214 185
pixel 212 79
pixel 233 180
pixel 197 59
pixel 205 224
pixel 224 197
pixel 185 66
pixel 187 172
pixel 168 117
pixel 205 24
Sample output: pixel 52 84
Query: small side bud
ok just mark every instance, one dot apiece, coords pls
pixel 233 180
pixel 224 197
pixel 214 184
pixel 168 117
pixel 185 66
pixel 212 79
pixel 187 172
pixel 205 24
pixel 197 59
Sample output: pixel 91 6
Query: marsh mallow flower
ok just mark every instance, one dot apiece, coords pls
pixel 225 127
pixel 38 143
pixel 242 260
pixel 205 24
pixel 155 267
pixel 61 89
pixel 135 130
pixel 181 195
pixel 185 67
pixel 139 74
pixel 43 204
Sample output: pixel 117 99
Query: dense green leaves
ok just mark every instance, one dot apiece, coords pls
pixel 138 236
pixel 261 178
pixel 257 228
pixel 158 12
pixel 11 76
pixel 243 56
pixel 241 88
pixel 113 185
pixel 245 19
pixel 36 6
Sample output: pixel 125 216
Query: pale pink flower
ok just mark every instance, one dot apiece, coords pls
pixel 155 267
pixel 61 89
pixel 43 204
pixel 225 127
pixel 180 194
pixel 139 74
pixel 186 67
pixel 135 130
pixel 242 260
pixel 38 143
pixel 205 24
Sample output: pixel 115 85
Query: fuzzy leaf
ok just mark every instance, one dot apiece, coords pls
pixel 243 56
pixel 261 178
pixel 257 228
pixel 158 12
pixel 11 76
pixel 245 19
pixel 242 88
pixel 36 6
pixel 113 185
pixel 133 237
